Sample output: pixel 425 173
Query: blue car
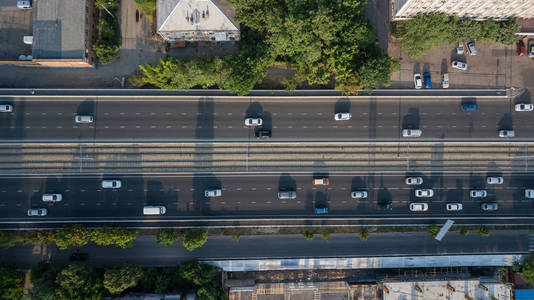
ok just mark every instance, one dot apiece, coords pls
pixel 428 82
pixel 469 107
pixel 321 210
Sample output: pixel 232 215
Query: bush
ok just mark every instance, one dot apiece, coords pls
pixel 464 231
pixel 78 281
pixel 484 231
pixel 308 235
pixel 433 230
pixel 528 269
pixel 118 280
pixel 105 52
pixel 73 236
pixel 204 278
pixel 236 237
pixel 9 239
pixel 117 236
pixel 364 234
pixel 11 284
pixel 43 279
pixel 194 238
pixel 166 237
pixel 326 236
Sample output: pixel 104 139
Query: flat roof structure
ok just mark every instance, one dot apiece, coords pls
pixel 333 290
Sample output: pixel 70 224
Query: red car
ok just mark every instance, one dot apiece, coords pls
pixel 521 48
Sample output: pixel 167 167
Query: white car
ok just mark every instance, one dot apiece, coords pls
pixel 454 206
pixel 524 107
pixel 111 184
pixel 506 133
pixel 6 108
pixel 37 212
pixel 460 49
pixel 495 180
pixel 424 193
pixel 342 116
pixel 253 121
pixel 24 4
pixel 83 119
pixel 414 180
pixel 411 132
pixel 358 194
pixel 459 65
pixel 531 48
pixel 418 206
pixel 213 193
pixel 445 82
pixel 471 48
pixel 417 81
pixel 529 194
pixel 478 193
pixel 52 197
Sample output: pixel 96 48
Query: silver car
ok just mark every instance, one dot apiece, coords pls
pixel 52 197
pixel 6 108
pixel 111 184
pixel 454 206
pixel 489 206
pixel 471 48
pixel 478 193
pixel 417 81
pixel 529 194
pixel 506 133
pixel 213 193
pixel 83 119
pixel 342 116
pixel 418 206
pixel 414 180
pixel 287 195
pixel 524 107
pixel 37 212
pixel 459 65
pixel 411 132
pixel 495 180
pixel 358 194
pixel 253 121
pixel 424 193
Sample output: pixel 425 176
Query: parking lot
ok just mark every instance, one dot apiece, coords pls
pixel 15 23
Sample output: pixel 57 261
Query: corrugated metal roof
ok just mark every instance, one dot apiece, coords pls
pixel 524 294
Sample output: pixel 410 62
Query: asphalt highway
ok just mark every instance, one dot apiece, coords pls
pixel 256 196
pixel 149 118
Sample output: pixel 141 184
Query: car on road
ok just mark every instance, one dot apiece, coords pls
pixel 478 193
pixel 342 116
pixel 459 65
pixel 469 107
pixel 418 206
pixel 418 83
pixel 52 197
pixel 152 210
pixel 424 193
pixel 454 206
pixel 111 184
pixel 520 48
pixel 78 256
pixel 6 108
pixel 262 133
pixel 358 194
pixel 321 181
pixel 213 193
pixel 445 81
pixel 506 133
pixel 411 132
pixel 253 121
pixel 529 193
pixel 460 49
pixel 524 107
pixel 531 48
pixel 428 82
pixel 494 179
pixel 489 206
pixel 471 48
pixel 24 4
pixel 37 212
pixel 283 195
pixel 321 210
pixel 414 180
pixel 83 119
pixel 385 206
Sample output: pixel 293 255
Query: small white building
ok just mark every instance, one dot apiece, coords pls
pixel 197 20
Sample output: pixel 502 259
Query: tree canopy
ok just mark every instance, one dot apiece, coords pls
pixel 118 280
pixel 194 238
pixel 166 237
pixel 11 284
pixel 78 281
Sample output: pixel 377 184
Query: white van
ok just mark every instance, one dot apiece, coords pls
pixel 287 195
pixel 154 210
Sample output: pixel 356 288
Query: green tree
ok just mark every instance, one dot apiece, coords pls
pixel 204 278
pixel 78 281
pixel 118 280
pixel 308 235
pixel 117 236
pixel 147 7
pixel 43 279
pixel 11 284
pixel 464 231
pixel 73 236
pixel 484 231
pixel 433 230
pixel 236 237
pixel 105 52
pixel 326 236
pixel 364 234
pixel 527 269
pixel 166 237
pixel 38 236
pixel 194 238
pixel 9 239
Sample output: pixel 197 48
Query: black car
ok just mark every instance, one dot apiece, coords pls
pixel 385 206
pixel 78 256
pixel 262 133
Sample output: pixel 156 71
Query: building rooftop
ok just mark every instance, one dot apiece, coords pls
pixel 59 29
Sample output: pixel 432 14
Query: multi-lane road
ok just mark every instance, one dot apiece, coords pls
pixel 49 118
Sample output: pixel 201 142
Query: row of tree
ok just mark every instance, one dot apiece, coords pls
pixel 108 42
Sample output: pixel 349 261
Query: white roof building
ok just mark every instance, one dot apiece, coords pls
pixel 196 20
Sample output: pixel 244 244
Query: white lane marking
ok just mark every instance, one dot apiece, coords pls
pixel 168 126
pixel 289 126
pixel 60 127
pixel 215 126
pixel 153 113
pixel 152 126
pixel 137 114
pixel 28 114
pixel 183 114
pixel 229 114
pixel 184 126
pixel 122 114
pixel 121 126
pixel 43 114
pixel 28 127
pixel 106 126
pixel 137 126
pixel 106 114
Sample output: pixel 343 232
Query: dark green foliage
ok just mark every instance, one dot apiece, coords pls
pixel 9 239
pixel 484 231
pixel 308 235
pixel 116 236
pixel 166 237
pixel 43 278
pixel 194 238
pixel 118 280
pixel 464 231
pixel 78 281
pixel 205 279
pixel 147 7
pixel 528 269
pixel 11 283
pixel 236 237
pixel 108 42
pixel 326 236
pixel 427 31
pixel 433 230
pixel 73 236
pixel 364 234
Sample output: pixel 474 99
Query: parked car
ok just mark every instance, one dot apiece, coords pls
pixel 424 193
pixel 111 184
pixel 459 65
pixel 414 180
pixel 37 212
pixel 83 119
pixel 460 49
pixel 520 48
pixel 471 48
pixel 418 206
pixel 487 206
pixel 495 180
pixel 213 193
pixel 321 210
pixel 524 107
pixel 445 81
pixel 478 193
pixel 454 206
pixel 52 197
pixel 358 194
pixel 506 133
pixel 531 48
pixel 26 4
pixel 418 83
pixel 262 134
pixel 342 116
pixel 321 181
pixel 469 107
pixel 253 121
pixel 385 206
pixel 6 108
pixel 411 132
pixel 529 193
pixel 428 82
